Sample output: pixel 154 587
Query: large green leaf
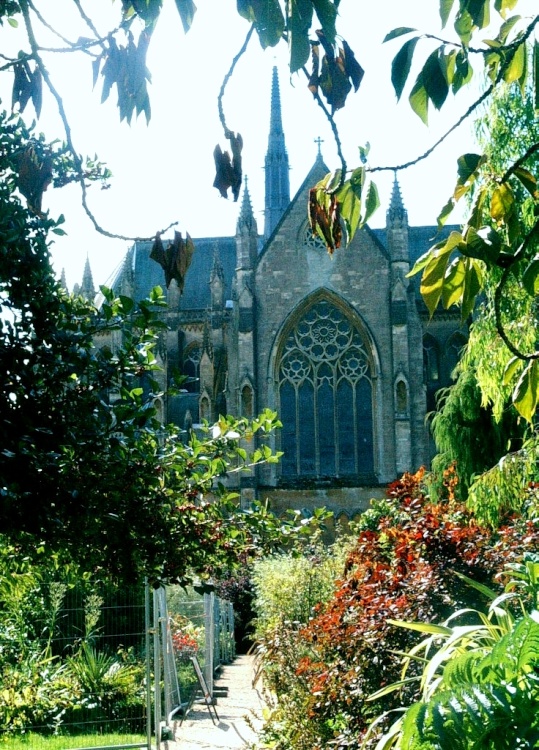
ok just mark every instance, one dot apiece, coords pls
pixel 472 287
pixel 463 71
pixel 484 244
pixel 372 202
pixel 400 67
pixel 300 15
pixel 517 66
pixel 267 17
pixel 467 166
pixel 453 287
pixel 502 6
pixel 526 391
pixel 326 10
pixel 434 80
pixel 349 197
pixel 502 203
pixel 434 272
pixel 187 10
pixel 479 10
pixel 401 31
pixel 445 10
pixel 528 180
pixel 419 100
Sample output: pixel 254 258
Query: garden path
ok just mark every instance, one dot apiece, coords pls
pixel 240 713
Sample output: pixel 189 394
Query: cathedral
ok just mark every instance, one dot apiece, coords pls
pixel 340 347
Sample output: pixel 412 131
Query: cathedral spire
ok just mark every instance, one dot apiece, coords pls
pixel 276 164
pixel 87 289
pixel 246 219
pixel 397 214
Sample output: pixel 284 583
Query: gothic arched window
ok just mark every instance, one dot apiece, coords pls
pixel 326 397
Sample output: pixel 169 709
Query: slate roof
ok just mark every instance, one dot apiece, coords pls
pixel 146 273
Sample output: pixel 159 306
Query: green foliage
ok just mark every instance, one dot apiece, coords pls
pixel 508 487
pixel 288 590
pixel 478 686
pixel 52 671
pixel 287 587
pixel 468 436
pixel 402 567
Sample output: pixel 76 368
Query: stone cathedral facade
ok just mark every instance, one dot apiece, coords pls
pixel 341 347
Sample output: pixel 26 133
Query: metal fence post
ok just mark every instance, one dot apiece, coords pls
pixel 156 671
pixel 148 647
pixel 232 634
pixel 209 640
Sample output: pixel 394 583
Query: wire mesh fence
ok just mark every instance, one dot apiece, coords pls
pixel 202 626
pixel 73 666
pixel 97 666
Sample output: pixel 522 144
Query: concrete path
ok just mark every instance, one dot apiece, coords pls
pixel 240 714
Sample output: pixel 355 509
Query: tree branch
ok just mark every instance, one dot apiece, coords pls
pixel 336 136
pixel 227 78
pixel 69 139
pixel 511 50
pixel 524 158
pixel 498 297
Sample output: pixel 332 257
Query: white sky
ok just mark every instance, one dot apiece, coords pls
pixel 164 172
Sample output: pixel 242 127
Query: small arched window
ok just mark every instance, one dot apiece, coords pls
pixel 401 397
pixel 247 409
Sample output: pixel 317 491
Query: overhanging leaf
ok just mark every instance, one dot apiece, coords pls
pixel 517 65
pixel 445 10
pixel 187 10
pixel 526 391
pixel 502 203
pixel 530 277
pixel 300 13
pixel 528 180
pixel 434 80
pixel 400 67
pixel 400 31
pixel 326 10
pixel 472 286
pixel 512 368
pixel 419 100
pixel 434 272
pixel 453 287
pixel 372 202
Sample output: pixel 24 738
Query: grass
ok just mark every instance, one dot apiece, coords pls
pixel 38 742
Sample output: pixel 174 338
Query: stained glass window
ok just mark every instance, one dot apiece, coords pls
pixel 326 397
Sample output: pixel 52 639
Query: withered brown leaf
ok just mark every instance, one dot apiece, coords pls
pixel 175 259
pixel 228 172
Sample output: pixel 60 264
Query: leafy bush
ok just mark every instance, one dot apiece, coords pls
pixel 402 567
pixel 288 588
pixel 479 685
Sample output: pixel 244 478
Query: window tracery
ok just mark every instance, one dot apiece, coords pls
pixel 326 396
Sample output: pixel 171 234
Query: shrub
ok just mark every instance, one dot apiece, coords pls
pixel 402 567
